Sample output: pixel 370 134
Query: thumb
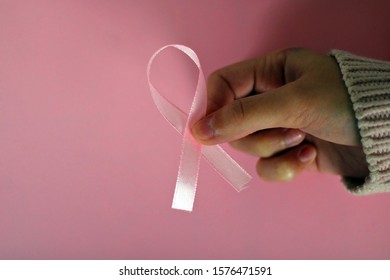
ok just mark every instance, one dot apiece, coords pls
pixel 272 109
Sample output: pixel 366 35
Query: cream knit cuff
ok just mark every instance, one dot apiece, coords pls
pixel 368 84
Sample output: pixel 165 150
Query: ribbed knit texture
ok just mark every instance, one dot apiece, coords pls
pixel 368 84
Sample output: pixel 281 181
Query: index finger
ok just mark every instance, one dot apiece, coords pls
pixel 244 78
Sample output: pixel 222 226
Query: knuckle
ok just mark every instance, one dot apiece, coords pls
pixel 302 109
pixel 275 171
pixel 230 119
pixel 293 50
pixel 264 153
pixel 238 111
pixel 269 144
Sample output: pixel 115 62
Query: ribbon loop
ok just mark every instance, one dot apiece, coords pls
pixel 187 177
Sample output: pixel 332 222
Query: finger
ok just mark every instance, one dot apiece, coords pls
pixel 269 142
pixel 287 166
pixel 241 79
pixel 281 107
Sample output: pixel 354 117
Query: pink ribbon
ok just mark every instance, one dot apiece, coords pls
pixel 187 176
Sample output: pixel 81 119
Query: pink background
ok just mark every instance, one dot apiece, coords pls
pixel 88 165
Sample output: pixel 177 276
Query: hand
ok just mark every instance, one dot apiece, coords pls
pixel 291 109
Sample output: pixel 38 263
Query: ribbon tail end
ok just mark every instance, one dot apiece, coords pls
pixel 243 185
pixel 186 208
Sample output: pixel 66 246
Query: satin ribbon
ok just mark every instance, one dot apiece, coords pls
pixel 187 176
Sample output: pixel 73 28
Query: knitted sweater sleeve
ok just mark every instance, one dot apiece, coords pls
pixel 368 84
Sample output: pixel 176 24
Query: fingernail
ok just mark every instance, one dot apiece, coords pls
pixel 292 137
pixel 203 129
pixel 306 154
